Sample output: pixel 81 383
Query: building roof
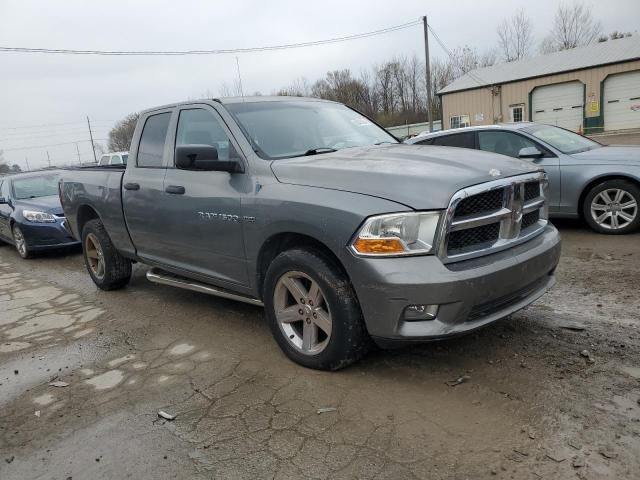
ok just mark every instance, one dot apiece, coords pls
pixel 611 51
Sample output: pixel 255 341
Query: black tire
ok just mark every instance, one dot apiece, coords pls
pixel 20 243
pixel 349 340
pixel 631 190
pixel 116 271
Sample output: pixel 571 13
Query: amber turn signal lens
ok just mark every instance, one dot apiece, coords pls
pixel 378 245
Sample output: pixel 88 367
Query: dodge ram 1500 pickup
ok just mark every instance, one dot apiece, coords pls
pixel 310 209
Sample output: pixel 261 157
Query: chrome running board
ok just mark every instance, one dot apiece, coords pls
pixel 156 275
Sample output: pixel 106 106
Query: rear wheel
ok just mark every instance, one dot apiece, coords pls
pixel 20 242
pixel 108 269
pixel 613 207
pixel 313 312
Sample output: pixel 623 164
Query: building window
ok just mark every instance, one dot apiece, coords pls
pixel 460 121
pixel 517 113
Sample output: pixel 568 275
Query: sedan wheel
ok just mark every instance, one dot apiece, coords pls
pixel 614 209
pixel 302 313
pixel 20 242
pixel 95 256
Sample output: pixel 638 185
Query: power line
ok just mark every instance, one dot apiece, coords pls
pixel 210 52
pixel 53 145
pixel 475 77
pixel 53 125
pixel 17 137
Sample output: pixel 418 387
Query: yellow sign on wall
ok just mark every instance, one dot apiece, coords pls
pixel 594 106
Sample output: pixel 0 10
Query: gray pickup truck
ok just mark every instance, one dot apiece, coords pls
pixel 313 211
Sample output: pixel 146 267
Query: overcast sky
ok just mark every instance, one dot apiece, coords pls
pixel 37 89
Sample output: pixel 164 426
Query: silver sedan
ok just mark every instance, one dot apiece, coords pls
pixel 600 184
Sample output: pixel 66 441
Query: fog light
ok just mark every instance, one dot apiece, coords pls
pixel 420 312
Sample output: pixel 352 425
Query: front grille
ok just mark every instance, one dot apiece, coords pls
pixel 530 218
pixel 531 190
pixel 485 218
pixel 482 203
pixel 461 240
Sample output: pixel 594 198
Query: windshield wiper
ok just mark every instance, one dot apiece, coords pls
pixel 316 151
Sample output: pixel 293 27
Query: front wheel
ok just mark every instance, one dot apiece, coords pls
pixel 313 311
pixel 108 269
pixel 612 207
pixel 20 242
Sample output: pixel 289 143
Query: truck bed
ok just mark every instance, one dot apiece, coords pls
pixel 96 191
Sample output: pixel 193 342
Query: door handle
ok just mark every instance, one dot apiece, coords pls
pixel 132 186
pixel 175 189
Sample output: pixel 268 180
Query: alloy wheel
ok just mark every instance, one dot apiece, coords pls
pixel 302 312
pixel 614 208
pixel 95 256
pixel 21 244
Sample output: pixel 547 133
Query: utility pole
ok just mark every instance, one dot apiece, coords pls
pixel 93 147
pixel 427 71
pixel 26 160
pixel 78 150
pixel 48 159
pixel 239 78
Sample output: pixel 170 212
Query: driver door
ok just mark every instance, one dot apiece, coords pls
pixel 510 143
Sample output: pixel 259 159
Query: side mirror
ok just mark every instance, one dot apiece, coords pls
pixel 3 201
pixel 204 157
pixel 530 152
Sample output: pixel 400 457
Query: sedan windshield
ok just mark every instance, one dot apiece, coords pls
pixel 561 139
pixel 33 187
pixel 293 128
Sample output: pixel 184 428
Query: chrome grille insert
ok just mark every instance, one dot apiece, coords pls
pixel 477 224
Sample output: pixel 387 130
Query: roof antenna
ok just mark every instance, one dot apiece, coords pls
pixel 239 79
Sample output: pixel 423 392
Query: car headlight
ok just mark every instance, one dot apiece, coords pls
pixel 398 234
pixel 38 217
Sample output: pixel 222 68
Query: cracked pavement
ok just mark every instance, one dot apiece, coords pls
pixel 533 407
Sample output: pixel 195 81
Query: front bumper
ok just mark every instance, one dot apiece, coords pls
pixel 43 236
pixel 470 294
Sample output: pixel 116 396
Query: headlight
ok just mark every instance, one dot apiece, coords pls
pixel 397 234
pixel 38 217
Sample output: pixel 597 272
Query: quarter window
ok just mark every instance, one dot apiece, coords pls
pixel 199 126
pixel 153 140
pixel 460 121
pixel 504 143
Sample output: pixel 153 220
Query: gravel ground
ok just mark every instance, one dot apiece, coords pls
pixel 553 392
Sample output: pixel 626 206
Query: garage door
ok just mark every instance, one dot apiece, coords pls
pixel 622 101
pixel 561 105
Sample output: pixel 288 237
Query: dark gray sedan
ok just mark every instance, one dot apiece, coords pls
pixel 600 184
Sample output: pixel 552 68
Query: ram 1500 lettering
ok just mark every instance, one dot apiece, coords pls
pixel 312 210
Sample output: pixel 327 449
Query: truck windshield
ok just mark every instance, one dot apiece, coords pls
pixel 286 129
pixel 564 140
pixel 33 187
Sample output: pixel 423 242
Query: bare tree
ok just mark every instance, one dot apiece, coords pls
pixel 120 136
pixel 515 36
pixel 573 26
pixel 488 58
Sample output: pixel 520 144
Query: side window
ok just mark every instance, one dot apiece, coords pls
pixel 153 139
pixel 199 126
pixel 461 140
pixel 460 121
pixel 104 160
pixel 116 160
pixel 504 143
pixel 428 141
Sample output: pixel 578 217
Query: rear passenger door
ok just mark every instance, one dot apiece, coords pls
pixel 510 143
pixel 5 211
pixel 143 188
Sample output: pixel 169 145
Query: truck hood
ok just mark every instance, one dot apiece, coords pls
pixel 611 154
pixel 420 177
pixel 49 204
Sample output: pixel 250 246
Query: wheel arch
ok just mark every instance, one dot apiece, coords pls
pixel 280 242
pixel 601 179
pixel 84 214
